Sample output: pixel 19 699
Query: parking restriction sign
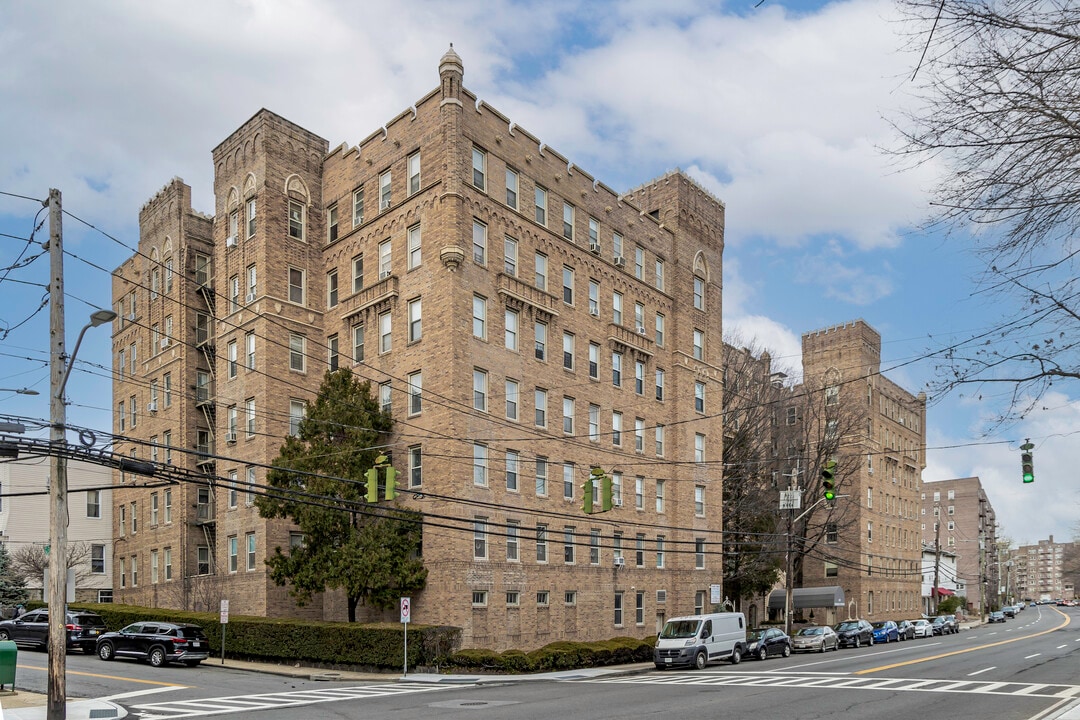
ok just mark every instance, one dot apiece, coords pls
pixel 405 610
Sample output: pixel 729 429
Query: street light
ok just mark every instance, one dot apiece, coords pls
pixel 20 391
pixel 60 370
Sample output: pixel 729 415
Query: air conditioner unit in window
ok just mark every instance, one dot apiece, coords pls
pixel 250 297
pixel 230 241
pixel 230 437
pixel 164 343
pixel 384 274
pixel 616 502
pixel 619 562
pixel 640 329
pixel 620 261
pixel 594 248
pixel 151 406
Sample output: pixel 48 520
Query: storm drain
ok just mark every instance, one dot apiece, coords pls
pixel 471 704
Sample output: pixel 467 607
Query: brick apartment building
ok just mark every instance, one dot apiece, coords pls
pixel 967 528
pixel 1038 572
pixel 522 321
pixel 873 549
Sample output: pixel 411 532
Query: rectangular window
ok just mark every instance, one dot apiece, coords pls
pixel 568 545
pixel 639 318
pixel 594 235
pixel 510 256
pixel 594 547
pixel 480 465
pixel 639 607
pixel 659 384
pixel 568 415
pixel 699 344
pixel 541 544
pixel 297 410
pixel 699 293
pixel 541 476
pixel 699 448
pixel 480 539
pixel 639 492
pixel 251 218
pixel 385 337
pixel 639 377
pixel 249 409
pixel 540 278
pixel 415 381
pixel 540 397
pixel 831 569
pixel 594 423
pixel 639 435
pixel 479 168
pixel 358 273
pixel 639 262
pixel 416 466
pixel 332 223
pixel 541 205
pixel 540 346
pixel 297 354
pixel 568 481
pixel 594 298
pixel 659 274
pixel 513 462
pixel 479 317
pixel 660 551
pixel 510 327
pixel 594 361
pixel 250 538
pixel 568 221
pixel 512 188
pixel 93 503
pixel 479 242
pixel 296 220
pixel 386 267
pixel 97 559
pixel 249 498
pixel 249 342
pixel 513 395
pixel 699 500
pixel 384 191
pixel 358 343
pixel 413 255
pixel 568 285
pixel 358 207
pixel 230 356
pixel 699 553
pixel 542 598
pixel 568 351
pixel 616 428
pixel 412 165
pixel 512 540
pixel 416 328
pixel 659 329
pixel 699 396
pixel 616 369
pixel 616 308
pixel 333 352
pixel 232 553
pixel 660 492
pixel 234 232
pixel 639 550
pixel 480 389
pixel 168 506
pixel 166 561
pixel 296 286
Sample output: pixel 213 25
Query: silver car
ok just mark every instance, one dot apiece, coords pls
pixel 815 638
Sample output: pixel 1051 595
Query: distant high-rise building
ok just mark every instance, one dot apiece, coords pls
pixel 1038 572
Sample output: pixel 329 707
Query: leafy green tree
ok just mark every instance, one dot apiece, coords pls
pixel 370 551
pixel 12 584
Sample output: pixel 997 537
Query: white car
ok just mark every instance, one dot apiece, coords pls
pixel 923 628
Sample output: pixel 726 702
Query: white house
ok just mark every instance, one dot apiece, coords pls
pixel 948 581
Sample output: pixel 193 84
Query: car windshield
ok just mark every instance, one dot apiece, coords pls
pixel 680 629
pixel 810 631
pixel 848 626
pixel 755 635
pixel 879 624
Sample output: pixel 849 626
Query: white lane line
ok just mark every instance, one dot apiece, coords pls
pixel 1031 656
pixel 137 693
pixel 980 672
pixel 1060 646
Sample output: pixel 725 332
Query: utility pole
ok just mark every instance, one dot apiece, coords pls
pixel 937 558
pixel 982 575
pixel 58 509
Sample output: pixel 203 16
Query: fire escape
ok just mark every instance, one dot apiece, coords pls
pixel 204 403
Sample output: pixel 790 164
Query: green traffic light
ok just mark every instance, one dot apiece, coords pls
pixel 1027 467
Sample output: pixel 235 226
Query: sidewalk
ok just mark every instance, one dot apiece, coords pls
pixel 32 706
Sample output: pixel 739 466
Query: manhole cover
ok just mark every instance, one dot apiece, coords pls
pixel 471 704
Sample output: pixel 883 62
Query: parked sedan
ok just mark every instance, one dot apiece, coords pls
pixel 32 629
pixel 763 642
pixel 944 625
pixel 906 630
pixel 1009 611
pixel 157 643
pixel 855 633
pixel 815 638
pixel 923 628
pixel 996 617
pixel 885 631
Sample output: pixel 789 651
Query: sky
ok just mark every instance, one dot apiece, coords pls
pixel 781 108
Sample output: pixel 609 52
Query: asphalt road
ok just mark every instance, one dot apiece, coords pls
pixel 1012 671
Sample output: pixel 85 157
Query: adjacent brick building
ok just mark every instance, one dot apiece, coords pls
pixel 1038 572
pixel 522 321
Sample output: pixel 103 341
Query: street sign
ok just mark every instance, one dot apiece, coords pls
pixel 790 499
pixel 714 594
pixel 224 612
pixel 406 610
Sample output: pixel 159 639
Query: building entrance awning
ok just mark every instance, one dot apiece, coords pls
pixel 814 597
pixel 945 591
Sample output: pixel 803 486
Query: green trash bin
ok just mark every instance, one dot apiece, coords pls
pixel 8 657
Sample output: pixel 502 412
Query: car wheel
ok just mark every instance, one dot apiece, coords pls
pixel 823 648
pixel 786 652
pixel 762 653
pixel 156 657
pixel 4 635
pixel 736 656
pixel 858 642
pixel 106 651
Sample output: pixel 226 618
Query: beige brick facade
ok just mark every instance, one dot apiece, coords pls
pixel 493 270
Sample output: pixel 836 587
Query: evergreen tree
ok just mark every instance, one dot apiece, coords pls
pixel 12 585
pixel 370 551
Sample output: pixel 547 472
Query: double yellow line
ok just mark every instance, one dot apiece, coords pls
pixel 106 677
pixel 966 650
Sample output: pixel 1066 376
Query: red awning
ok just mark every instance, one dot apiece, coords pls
pixel 945 591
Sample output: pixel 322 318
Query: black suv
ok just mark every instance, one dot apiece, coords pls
pixel 157 643
pixel 32 629
pixel 944 625
pixel 855 633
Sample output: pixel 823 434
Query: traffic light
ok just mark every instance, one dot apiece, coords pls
pixel 598 481
pixel 828 479
pixel 607 491
pixel 587 490
pixel 1027 466
pixel 372 477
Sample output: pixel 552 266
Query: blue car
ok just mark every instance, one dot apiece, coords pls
pixel 885 631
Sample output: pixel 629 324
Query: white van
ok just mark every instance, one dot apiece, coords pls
pixel 697 640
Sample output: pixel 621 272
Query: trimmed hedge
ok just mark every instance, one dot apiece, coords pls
pixel 563 655
pixel 328 644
